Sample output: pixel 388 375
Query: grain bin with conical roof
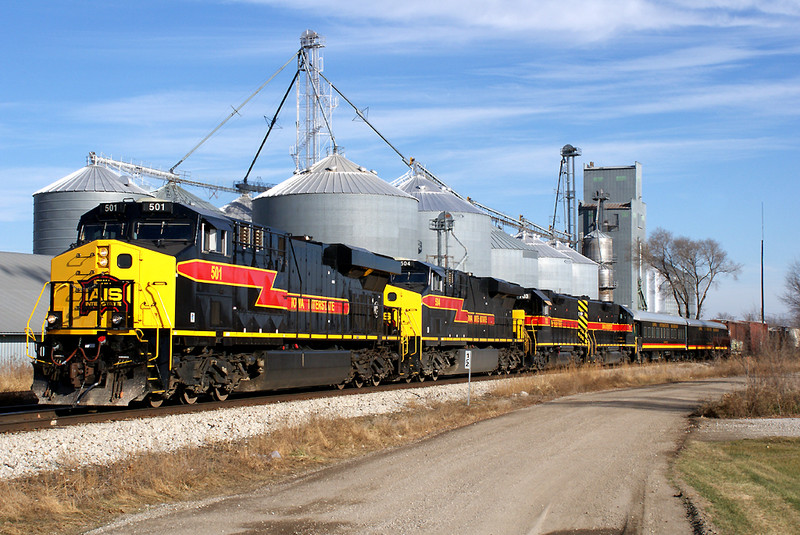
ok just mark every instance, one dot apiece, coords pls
pixel 555 268
pixel 470 250
pixel 57 208
pixel 513 260
pixel 584 271
pixel 240 208
pixel 337 201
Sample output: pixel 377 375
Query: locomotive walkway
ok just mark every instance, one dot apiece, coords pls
pixel 592 463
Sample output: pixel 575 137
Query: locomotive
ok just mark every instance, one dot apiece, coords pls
pixel 159 300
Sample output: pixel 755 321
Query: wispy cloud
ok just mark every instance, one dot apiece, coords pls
pixel 581 20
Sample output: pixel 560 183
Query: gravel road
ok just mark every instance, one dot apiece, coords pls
pixel 590 464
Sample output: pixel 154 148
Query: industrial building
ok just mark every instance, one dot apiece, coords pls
pixel 624 221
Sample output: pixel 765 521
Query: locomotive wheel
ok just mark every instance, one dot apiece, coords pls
pixel 421 378
pixel 155 401
pixel 340 386
pixel 408 378
pixel 435 375
pixel 188 397
pixel 358 382
pixel 220 394
pixel 375 380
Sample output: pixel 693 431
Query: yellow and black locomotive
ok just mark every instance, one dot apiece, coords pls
pixel 159 300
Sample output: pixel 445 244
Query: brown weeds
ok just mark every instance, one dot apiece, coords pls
pixel 575 380
pixel 772 389
pixel 16 377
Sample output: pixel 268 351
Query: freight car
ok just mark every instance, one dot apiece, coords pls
pixel 158 300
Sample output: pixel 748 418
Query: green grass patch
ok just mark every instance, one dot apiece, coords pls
pixel 749 486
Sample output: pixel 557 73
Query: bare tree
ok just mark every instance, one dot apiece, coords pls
pixel 792 294
pixel 689 267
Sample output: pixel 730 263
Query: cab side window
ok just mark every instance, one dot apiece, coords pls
pixel 214 239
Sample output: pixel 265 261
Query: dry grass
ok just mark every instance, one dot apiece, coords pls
pixel 594 378
pixel 74 499
pixel 16 377
pixel 772 389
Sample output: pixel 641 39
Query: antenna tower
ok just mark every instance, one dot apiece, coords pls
pixel 315 104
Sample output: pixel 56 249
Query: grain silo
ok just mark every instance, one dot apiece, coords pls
pixel 57 208
pixel 513 260
pixel 469 247
pixel 584 271
pixel 337 201
pixel 555 268
pixel 240 208
pixel 172 191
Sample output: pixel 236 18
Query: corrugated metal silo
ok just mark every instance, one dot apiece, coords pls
pixel 555 268
pixel 513 260
pixel 599 246
pixel 172 191
pixel 57 208
pixel 472 228
pixel 240 208
pixel 584 271
pixel 337 201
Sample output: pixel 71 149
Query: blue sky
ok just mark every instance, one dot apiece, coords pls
pixel 704 93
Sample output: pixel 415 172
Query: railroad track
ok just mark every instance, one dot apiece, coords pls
pixel 32 417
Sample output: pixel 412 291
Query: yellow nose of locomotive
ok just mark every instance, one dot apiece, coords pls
pixel 112 285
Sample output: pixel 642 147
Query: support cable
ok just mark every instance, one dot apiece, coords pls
pixel 272 123
pixel 234 112
pixel 364 118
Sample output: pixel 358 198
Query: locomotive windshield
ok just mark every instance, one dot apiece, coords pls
pixel 108 230
pixel 151 229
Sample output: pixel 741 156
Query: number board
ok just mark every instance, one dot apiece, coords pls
pixel 156 206
pixel 112 207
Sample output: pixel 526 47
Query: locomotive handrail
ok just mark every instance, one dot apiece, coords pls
pixel 29 333
pixel 166 312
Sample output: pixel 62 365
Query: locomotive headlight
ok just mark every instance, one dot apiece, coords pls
pixel 102 257
pixel 117 319
pixel 54 320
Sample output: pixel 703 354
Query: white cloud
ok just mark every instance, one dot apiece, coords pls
pixel 570 20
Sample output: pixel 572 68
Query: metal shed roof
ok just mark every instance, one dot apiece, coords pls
pixel 22 277
pixel 93 178
pixel 334 174
pixel 434 198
